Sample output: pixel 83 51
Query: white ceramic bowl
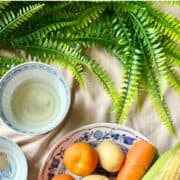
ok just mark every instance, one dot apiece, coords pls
pixel 92 134
pixel 34 98
pixel 17 165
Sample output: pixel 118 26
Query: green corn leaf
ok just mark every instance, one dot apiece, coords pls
pixel 164 165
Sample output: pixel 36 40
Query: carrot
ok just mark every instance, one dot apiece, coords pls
pixel 138 159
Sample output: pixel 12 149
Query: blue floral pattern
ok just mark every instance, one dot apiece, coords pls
pixel 92 134
pixel 7 173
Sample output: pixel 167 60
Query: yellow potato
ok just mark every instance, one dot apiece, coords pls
pixel 110 156
pixel 95 177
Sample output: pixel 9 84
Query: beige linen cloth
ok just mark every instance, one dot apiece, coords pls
pixel 93 105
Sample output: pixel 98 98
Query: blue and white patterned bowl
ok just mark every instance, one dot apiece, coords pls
pixel 17 167
pixel 43 101
pixel 92 134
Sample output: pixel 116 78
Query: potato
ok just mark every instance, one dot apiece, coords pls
pixel 95 177
pixel 110 156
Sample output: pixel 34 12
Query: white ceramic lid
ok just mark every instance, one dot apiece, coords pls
pixel 17 165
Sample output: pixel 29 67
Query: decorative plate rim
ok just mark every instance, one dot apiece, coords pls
pixel 62 139
pixel 21 154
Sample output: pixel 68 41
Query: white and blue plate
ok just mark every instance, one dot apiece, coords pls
pixel 92 134
pixel 17 164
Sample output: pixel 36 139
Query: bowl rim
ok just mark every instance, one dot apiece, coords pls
pixel 60 119
pixel 21 151
pixel 70 133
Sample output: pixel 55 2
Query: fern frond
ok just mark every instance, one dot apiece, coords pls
pixel 76 69
pixel 124 44
pixel 49 51
pixel 3 4
pixel 55 6
pixel 123 7
pixel 6 63
pixel 159 103
pixel 74 6
pixel 172 52
pixel 87 16
pixel 142 94
pixel 132 63
pixel 152 46
pixel 173 78
pixel 172 3
pixel 11 21
pixel 155 94
pixel 95 34
pixel 63 52
pixel 129 87
pixel 164 23
pixel 82 20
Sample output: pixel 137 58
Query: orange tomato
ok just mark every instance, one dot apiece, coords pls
pixel 63 177
pixel 81 158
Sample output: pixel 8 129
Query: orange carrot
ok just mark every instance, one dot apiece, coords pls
pixel 138 159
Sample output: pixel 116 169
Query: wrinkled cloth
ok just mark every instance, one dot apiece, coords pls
pixel 94 106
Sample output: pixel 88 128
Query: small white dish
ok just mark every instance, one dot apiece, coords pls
pixel 92 134
pixel 17 165
pixel 34 98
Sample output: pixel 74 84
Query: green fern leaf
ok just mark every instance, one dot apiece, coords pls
pixel 129 87
pixel 172 52
pixel 50 52
pixel 153 48
pixel 11 21
pixel 3 4
pixel 6 63
pixel 155 94
pixel 159 103
pixel 165 23
pixel 142 94
pixel 171 2
pixel 63 52
pixel 123 7
pixel 96 34
pixel 76 69
pixel 121 50
pixel 173 78
pixel 80 21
